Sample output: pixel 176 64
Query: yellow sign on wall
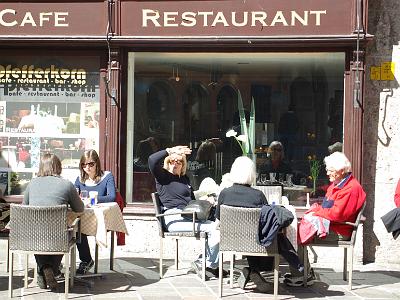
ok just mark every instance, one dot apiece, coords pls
pixel 375 73
pixel 387 71
pixel 384 72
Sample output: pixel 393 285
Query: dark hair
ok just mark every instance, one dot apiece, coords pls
pixel 50 165
pixel 144 150
pixel 206 151
pixel 92 155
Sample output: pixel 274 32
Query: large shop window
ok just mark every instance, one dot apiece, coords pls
pixel 47 104
pixel 190 98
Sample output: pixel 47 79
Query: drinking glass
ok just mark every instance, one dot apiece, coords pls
pixel 281 177
pixel 272 177
pixel 84 195
pixel 263 178
pixel 289 181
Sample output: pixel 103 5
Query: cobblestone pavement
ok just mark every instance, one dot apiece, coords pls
pixel 137 278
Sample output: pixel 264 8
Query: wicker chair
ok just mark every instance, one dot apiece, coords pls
pixel 42 230
pixel 164 233
pixel 342 244
pixel 239 235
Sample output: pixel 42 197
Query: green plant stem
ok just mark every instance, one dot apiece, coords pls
pixel 241 147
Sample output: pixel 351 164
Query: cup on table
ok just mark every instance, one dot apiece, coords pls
pixel 93 197
pixel 272 177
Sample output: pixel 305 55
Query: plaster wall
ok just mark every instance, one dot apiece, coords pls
pixel 381 132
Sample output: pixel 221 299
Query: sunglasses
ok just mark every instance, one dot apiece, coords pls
pixel 176 161
pixel 89 164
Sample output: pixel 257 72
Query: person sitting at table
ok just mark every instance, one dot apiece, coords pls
pixel 275 162
pixel 241 194
pixel 342 203
pixel 92 178
pixel 38 193
pixel 175 192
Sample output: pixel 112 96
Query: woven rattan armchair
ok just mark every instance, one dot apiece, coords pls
pixel 164 233
pixel 239 236
pixel 42 230
pixel 342 244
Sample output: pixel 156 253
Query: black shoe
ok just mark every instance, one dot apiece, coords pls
pixel 49 277
pixel 84 267
pixel 41 282
pixel 215 272
pixel 298 281
pixel 262 285
pixel 244 277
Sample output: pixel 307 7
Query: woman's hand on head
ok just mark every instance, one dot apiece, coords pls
pixel 179 150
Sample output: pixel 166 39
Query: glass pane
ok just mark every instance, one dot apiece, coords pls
pixel 190 98
pixel 47 104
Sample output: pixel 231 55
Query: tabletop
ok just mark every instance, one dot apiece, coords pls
pixel 98 219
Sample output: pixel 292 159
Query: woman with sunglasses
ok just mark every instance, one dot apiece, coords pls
pixel 92 178
pixel 175 193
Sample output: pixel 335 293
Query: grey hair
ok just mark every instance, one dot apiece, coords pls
pixel 337 161
pixel 243 171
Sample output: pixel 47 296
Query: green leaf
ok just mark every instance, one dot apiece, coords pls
pixel 252 134
pixel 243 125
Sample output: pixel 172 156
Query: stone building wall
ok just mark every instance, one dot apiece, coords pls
pixel 381 133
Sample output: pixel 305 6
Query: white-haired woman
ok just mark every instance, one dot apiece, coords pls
pixel 342 203
pixel 175 193
pixel 241 194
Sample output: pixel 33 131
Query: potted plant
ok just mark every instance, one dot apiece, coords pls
pixel 246 140
pixel 315 167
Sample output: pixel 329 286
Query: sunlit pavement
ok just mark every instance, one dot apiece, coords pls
pixel 138 278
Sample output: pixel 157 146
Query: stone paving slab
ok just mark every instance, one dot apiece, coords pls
pixel 138 278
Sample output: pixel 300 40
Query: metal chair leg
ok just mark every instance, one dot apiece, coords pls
pixel 26 271
pixel 351 268
pixel 220 282
pixel 203 269
pixel 276 275
pixel 345 264
pixel 161 258
pixel 10 275
pixel 305 262
pixel 66 275
pixel 176 253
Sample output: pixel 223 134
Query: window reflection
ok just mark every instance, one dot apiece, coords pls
pixel 298 101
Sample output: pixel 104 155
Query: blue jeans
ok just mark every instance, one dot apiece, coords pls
pixel 176 223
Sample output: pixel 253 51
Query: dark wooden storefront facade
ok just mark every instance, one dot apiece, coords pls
pixel 109 30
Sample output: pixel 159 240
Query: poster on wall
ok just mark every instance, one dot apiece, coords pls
pixel 47 104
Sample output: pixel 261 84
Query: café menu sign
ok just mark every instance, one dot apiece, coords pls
pixel 181 18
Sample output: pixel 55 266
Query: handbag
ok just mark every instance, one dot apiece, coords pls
pixel 202 208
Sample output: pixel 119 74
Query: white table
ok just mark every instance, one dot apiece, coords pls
pixel 96 221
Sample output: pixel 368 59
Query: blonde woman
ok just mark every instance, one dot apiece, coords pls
pixel 175 193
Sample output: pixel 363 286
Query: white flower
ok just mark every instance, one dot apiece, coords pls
pixel 231 133
pixel 242 138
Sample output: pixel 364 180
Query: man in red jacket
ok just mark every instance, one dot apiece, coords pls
pixel 342 203
pixel 397 195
